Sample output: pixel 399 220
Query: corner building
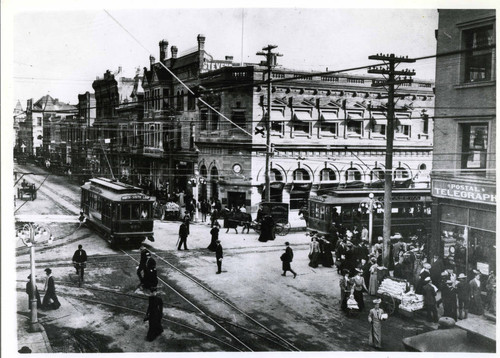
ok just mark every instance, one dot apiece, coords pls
pixel 464 163
pixel 328 132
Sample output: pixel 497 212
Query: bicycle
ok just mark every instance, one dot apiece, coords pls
pixel 80 266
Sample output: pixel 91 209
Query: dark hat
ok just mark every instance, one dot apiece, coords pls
pixel 29 277
pixel 24 349
pixel 345 272
pixel 48 270
pixel 287 243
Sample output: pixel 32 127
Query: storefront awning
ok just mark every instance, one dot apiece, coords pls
pixel 302 116
pixel 404 122
pixel 276 116
pixel 329 117
pixel 301 187
pixel 355 116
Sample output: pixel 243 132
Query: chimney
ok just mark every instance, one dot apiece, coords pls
pixel 229 58
pixel 201 42
pixel 151 62
pixel 173 49
pixel 163 50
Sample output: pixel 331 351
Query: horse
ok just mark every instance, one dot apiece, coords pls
pixel 234 219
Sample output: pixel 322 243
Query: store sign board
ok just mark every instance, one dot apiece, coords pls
pixel 476 193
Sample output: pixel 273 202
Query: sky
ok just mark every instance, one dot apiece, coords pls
pixel 60 52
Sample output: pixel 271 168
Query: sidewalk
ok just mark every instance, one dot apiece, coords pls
pixel 37 342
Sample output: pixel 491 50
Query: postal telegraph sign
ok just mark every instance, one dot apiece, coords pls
pixel 477 193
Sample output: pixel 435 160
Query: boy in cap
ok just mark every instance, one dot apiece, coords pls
pixel 218 256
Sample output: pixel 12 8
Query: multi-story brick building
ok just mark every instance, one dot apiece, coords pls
pixel 464 163
pixel 119 104
pixel 328 131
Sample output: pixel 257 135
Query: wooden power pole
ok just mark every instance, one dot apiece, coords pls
pixel 270 63
pixel 393 78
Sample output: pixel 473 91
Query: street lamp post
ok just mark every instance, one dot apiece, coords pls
pixel 32 234
pixel 370 205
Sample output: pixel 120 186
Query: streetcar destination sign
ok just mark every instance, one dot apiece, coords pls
pixel 477 193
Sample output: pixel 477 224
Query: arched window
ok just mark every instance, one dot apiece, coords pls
pixel 301 174
pixel 327 174
pixel 401 174
pixel 377 174
pixel 352 174
pixel 275 175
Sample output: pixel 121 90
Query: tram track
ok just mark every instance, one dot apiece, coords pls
pixel 139 313
pixel 276 338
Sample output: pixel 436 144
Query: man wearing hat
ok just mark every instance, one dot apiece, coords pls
pixel 218 257
pixel 142 264
pixel 29 291
pixel 287 258
pixel 449 297
pixel 50 292
pixel 463 296
pixel 476 303
pixel 150 279
pixel 419 288
pixel 430 300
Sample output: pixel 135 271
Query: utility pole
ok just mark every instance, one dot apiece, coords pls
pixel 393 78
pixel 270 62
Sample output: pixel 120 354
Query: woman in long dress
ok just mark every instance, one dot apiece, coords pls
pixel 373 286
pixel 214 232
pixel 358 288
pixel 154 315
pixel 314 252
pixel 375 317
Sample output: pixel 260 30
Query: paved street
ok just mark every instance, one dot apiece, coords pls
pixel 304 310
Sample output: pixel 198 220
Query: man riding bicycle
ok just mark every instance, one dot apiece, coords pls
pixel 79 260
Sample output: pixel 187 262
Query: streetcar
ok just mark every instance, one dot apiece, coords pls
pixel 121 212
pixel 411 211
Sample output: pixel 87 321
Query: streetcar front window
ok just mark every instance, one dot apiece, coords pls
pixel 125 214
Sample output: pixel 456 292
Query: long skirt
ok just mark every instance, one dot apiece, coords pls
pixel 373 288
pixel 375 338
pixel 313 259
pixel 358 296
pixel 155 327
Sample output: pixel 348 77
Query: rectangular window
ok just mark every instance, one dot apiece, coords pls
pixel 478 62
pixel 379 129
pixel 403 130
pixel 214 120
pixel 204 120
pixel 329 129
pixel 238 118
pixel 474 146
pixel 354 127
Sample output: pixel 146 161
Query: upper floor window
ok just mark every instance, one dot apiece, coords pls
pixel 355 124
pixel 204 120
pixel 327 174
pixel 214 120
pixel 301 174
pixel 478 61
pixel 277 122
pixel 275 175
pixel 352 174
pixel 180 101
pixel 191 102
pixel 238 119
pixel 474 145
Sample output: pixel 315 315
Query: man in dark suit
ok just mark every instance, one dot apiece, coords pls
pixel 475 302
pixel 429 292
pixel 287 258
pixel 50 300
pixel 79 260
pixel 183 234
pixel 218 256
pixel 150 279
pixel 142 265
pixel 463 296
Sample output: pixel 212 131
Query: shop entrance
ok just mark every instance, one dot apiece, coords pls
pixel 235 198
